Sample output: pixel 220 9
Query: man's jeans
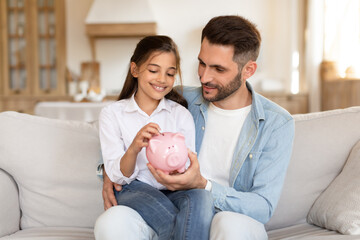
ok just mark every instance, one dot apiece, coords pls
pixel 172 215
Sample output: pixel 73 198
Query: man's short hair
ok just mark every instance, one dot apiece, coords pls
pixel 234 31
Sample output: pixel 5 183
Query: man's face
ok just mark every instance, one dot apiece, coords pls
pixel 219 74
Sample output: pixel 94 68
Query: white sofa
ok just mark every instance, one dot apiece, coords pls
pixel 49 188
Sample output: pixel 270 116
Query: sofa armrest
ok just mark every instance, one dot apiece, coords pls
pixel 10 209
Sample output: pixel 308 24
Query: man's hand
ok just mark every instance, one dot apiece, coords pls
pixel 190 179
pixel 108 191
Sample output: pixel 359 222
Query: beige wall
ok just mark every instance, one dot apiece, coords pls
pixel 77 44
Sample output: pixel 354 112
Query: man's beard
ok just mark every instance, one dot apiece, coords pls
pixel 223 91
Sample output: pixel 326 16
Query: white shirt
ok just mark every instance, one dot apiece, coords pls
pixel 119 123
pixel 221 135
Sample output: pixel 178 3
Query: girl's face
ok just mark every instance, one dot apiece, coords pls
pixel 156 76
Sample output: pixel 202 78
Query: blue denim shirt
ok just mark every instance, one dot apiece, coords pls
pixel 260 159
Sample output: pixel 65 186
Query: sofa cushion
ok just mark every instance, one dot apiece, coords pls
pixel 53 233
pixel 322 144
pixel 306 231
pixel 53 162
pixel 338 207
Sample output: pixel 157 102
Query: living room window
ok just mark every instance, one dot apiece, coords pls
pixel 342 36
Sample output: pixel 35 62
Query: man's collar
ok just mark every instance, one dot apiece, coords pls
pixel 257 106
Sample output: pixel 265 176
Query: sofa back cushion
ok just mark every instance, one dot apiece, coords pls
pixel 54 163
pixel 322 144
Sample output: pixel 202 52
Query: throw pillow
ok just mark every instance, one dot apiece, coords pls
pixel 338 207
pixel 53 163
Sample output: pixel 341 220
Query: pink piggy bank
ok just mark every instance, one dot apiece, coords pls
pixel 167 152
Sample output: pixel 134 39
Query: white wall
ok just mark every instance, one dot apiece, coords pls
pixel 183 21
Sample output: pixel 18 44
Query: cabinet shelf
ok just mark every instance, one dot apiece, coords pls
pixel 16 9
pixel 19 66
pixel 47 36
pixel 47 66
pixel 16 36
pixel 46 9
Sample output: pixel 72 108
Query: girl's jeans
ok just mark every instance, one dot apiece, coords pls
pixel 171 214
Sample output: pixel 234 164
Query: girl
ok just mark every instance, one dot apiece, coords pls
pixel 147 105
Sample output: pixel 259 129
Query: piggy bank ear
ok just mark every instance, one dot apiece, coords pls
pixel 178 136
pixel 153 143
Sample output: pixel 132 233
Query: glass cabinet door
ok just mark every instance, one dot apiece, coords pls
pixel 50 30
pixel 17 37
pixel 47 45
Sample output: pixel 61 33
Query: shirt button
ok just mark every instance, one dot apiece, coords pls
pixel 250 156
pixel 203 128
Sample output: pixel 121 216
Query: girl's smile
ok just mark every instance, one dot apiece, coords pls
pixel 158 88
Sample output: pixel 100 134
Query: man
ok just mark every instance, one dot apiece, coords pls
pixel 244 141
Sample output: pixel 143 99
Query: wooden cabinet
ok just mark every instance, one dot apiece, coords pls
pixel 32 56
pixel 26 104
pixel 293 103
pixel 340 93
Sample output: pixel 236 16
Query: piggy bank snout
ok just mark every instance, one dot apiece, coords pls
pixel 174 160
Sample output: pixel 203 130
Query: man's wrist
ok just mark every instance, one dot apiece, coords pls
pixel 202 183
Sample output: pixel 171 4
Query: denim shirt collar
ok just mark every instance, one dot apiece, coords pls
pixel 257 110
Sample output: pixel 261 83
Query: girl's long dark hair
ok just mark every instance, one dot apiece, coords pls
pixel 142 52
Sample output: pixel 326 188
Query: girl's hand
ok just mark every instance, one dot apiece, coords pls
pixel 128 161
pixel 142 137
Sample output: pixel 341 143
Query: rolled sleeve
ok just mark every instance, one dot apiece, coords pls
pixel 115 174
